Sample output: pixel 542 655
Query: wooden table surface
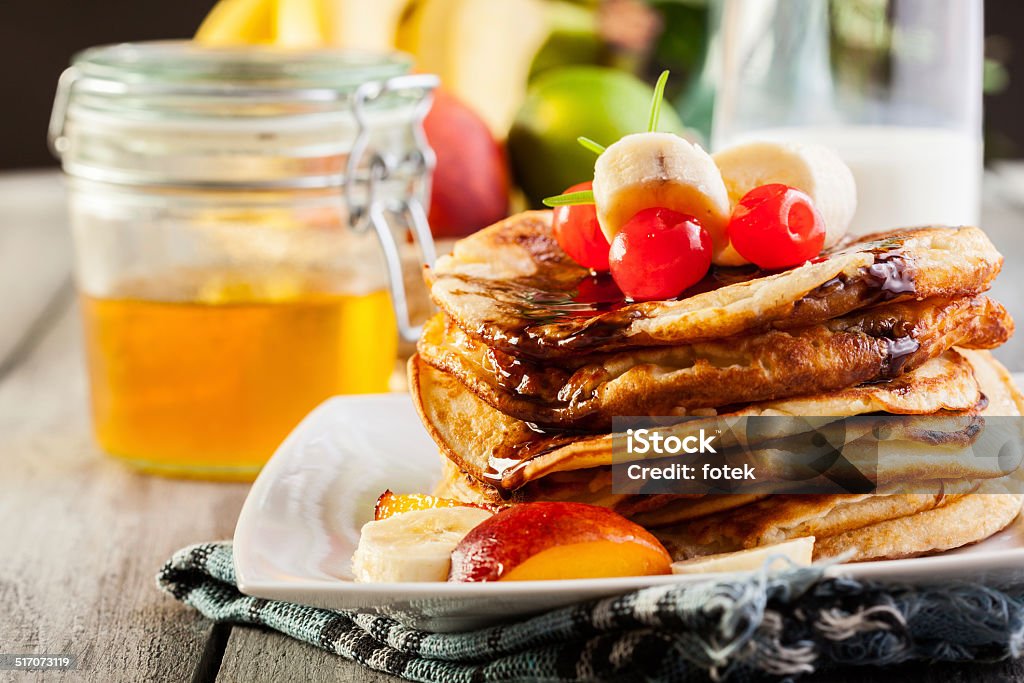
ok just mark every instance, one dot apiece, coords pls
pixel 82 537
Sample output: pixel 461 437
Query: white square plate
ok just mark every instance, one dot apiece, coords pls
pixel 300 524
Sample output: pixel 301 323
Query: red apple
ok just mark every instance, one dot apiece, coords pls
pixel 470 189
pixel 537 541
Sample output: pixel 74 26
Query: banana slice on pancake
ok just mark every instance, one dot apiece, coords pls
pixel 814 169
pixel 664 170
pixel 647 170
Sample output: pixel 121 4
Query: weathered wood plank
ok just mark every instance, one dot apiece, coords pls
pixel 35 253
pixel 258 656
pixel 83 537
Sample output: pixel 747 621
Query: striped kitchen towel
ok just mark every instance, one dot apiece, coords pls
pixel 742 628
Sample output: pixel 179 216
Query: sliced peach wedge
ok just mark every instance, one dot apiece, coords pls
pixel 542 541
pixel 390 504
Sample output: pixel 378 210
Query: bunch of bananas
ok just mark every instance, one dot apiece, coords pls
pixel 471 44
pixel 302 23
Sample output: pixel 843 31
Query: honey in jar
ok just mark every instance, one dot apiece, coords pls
pixel 211 386
pixel 226 280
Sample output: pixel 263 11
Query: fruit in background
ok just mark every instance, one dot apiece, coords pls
pixel 470 44
pixel 776 226
pixel 493 43
pixel 239 22
pixel 540 541
pixel 470 186
pixel 645 170
pixel 390 504
pixel 414 546
pixel 423 33
pixel 574 38
pixel 467 42
pixel 564 103
pixel 486 50
pixel 813 169
pixel 658 254
pixel 579 234
pixel 363 24
pixel 302 23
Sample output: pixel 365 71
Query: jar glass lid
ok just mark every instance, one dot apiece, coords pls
pixel 187 66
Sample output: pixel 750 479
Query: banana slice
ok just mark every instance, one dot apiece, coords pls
pixel 647 170
pixel 799 551
pixel 814 169
pixel 413 546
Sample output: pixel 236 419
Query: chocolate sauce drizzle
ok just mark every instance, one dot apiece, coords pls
pixel 898 352
pixel 561 311
pixel 889 275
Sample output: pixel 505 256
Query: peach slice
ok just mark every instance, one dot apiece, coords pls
pixel 541 541
pixel 390 504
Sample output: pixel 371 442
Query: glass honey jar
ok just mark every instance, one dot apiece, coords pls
pixel 240 219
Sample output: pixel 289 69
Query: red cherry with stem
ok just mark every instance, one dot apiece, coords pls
pixel 658 254
pixel 776 226
pixel 578 233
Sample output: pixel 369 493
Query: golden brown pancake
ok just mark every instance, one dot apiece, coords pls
pixel 584 393
pixel 1002 396
pixel 775 519
pixel 869 527
pixel 486 443
pixel 684 509
pixel 910 476
pixel 593 484
pixel 886 526
pixel 967 519
pixel 512 287
pixel 891 451
pixel 518 378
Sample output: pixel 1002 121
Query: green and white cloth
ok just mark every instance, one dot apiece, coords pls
pixel 746 628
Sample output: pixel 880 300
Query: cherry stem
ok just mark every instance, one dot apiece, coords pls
pixel 659 95
pixel 570 199
pixel 588 144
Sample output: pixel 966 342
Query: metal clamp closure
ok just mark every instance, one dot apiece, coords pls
pixel 375 207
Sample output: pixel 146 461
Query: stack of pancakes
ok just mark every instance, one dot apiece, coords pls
pixel 518 378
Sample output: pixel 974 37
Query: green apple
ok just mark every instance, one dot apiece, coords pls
pixel 574 39
pixel 561 105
